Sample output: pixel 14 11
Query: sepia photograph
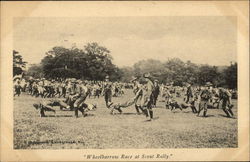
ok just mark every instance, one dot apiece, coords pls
pixel 122 82
pixel 117 82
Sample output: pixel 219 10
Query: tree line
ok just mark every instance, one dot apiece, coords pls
pixel 94 62
pixel 179 72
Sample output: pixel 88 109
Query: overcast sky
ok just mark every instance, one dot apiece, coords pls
pixel 210 40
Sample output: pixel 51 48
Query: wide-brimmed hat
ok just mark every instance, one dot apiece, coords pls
pixel 16 78
pixel 156 80
pixel 147 75
pixel 208 84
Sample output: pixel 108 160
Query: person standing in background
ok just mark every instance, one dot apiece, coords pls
pixel 148 96
pixel 156 92
pixel 108 92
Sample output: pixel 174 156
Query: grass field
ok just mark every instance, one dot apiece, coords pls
pixel 99 130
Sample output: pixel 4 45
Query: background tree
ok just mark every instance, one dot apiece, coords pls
pixel 190 73
pixel 18 64
pixel 93 62
pixel 230 75
pixel 154 67
pixel 175 71
pixel 208 74
pixel 35 71
pixel 127 73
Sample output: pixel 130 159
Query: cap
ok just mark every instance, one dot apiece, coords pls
pixel 133 78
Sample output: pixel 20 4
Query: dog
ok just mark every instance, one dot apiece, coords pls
pixel 174 105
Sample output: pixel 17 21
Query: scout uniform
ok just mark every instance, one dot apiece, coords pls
pixel 167 96
pixel 107 92
pixel 156 92
pixel 147 101
pixel 17 88
pixel 225 97
pixel 82 93
pixel 137 89
pixel 194 101
pixel 205 96
pixel 71 94
pixel 189 93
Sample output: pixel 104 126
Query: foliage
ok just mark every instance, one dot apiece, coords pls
pixel 231 76
pixel 127 74
pixel 35 70
pixel 18 63
pixel 207 74
pixel 93 62
pixel 179 72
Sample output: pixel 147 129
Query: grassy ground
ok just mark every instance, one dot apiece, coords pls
pixel 178 129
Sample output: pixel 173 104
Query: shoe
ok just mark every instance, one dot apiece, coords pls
pixel 110 104
pixel 112 112
pixel 231 112
pixel 204 114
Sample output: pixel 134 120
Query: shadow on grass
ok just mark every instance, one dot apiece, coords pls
pixel 58 116
pixel 208 116
pixel 128 114
pixel 159 107
pixel 89 115
pixel 155 118
pixel 187 112
pixel 62 116
pixel 66 110
pixel 212 108
pixel 147 120
pixel 176 111
pixel 227 116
